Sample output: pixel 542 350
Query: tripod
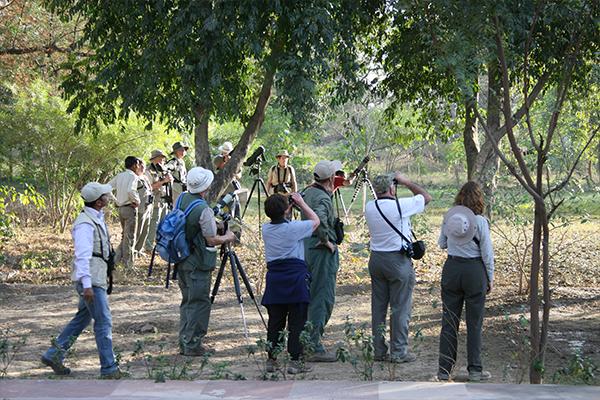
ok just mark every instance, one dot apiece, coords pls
pixel 258 183
pixel 236 267
pixel 339 199
pixel 363 183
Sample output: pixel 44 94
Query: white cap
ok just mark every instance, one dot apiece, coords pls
pixel 93 191
pixel 199 179
pixel 324 169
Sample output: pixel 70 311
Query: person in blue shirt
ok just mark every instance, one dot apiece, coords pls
pixel 286 292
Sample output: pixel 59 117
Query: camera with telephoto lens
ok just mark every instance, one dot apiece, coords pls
pixel 256 157
pixel 218 209
pixel 362 164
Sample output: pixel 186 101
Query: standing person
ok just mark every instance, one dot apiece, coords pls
pixel 89 275
pixel 145 207
pixel 127 201
pixel 341 180
pixel 467 277
pixel 286 292
pixel 176 166
pixel 390 264
pixel 322 256
pixel 195 272
pixel 282 177
pixel 160 180
pixel 234 186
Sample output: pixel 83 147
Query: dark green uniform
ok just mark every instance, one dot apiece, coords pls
pixel 322 263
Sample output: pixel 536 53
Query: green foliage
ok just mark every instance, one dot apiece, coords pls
pixel 9 348
pixel 357 348
pixel 577 371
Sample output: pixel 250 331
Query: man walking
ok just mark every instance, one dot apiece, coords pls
pixel 177 167
pixel 195 272
pixel 160 180
pixel 390 264
pixel 321 255
pixel 89 275
pixel 127 201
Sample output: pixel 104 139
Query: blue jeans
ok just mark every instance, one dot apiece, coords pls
pixel 100 312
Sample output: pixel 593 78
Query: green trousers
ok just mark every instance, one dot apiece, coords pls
pixel 194 310
pixel 323 265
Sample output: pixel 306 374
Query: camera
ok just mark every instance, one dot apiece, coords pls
pixel 362 164
pixel 218 209
pixel 256 157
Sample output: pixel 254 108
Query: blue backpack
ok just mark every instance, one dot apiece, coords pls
pixel 171 241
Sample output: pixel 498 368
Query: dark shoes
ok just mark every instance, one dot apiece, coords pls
pixel 296 367
pixel 409 357
pixel 204 351
pixel 323 356
pixel 116 374
pixel 476 376
pixel 59 368
pixel 272 365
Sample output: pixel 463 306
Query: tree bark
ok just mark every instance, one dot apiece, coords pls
pixel 470 139
pixel 201 146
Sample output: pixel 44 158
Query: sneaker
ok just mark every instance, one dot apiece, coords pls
pixel 477 376
pixel 323 356
pixel 409 357
pixel 443 377
pixel 272 365
pixel 116 374
pixel 296 367
pixel 59 368
pixel 384 357
pixel 204 351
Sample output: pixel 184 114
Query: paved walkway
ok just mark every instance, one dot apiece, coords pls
pixel 314 390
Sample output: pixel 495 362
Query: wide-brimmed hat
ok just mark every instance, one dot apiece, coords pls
pixel 382 183
pixel 460 225
pixel 282 153
pixel 156 153
pixel 227 147
pixel 199 179
pixel 324 169
pixel 178 146
pixel 93 191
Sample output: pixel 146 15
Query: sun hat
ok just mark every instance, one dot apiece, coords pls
pixel 227 147
pixel 382 183
pixel 199 179
pixel 460 225
pixel 324 169
pixel 282 153
pixel 93 191
pixel 155 154
pixel 178 146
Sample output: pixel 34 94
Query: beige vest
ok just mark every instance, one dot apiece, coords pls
pixel 98 267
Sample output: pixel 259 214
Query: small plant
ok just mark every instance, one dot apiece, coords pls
pixel 357 349
pixel 9 350
pixel 578 370
pixel 223 372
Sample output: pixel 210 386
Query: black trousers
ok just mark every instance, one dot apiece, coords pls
pixel 296 319
pixel 463 282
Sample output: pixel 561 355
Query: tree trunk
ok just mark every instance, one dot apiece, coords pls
pixel 201 146
pixel 224 176
pixel 471 139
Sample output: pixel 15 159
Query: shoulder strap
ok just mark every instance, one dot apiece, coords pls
pixel 390 224
pixel 191 207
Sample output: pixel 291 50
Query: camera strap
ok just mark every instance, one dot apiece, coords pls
pixel 392 225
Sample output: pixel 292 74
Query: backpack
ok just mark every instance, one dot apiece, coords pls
pixel 171 242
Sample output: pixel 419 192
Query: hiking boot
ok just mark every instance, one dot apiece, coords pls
pixel 116 374
pixel 296 367
pixel 204 351
pixel 443 377
pixel 323 356
pixel 59 368
pixel 409 357
pixel 272 365
pixel 477 376
pixel 384 357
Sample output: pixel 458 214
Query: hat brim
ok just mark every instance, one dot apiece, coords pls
pixel 175 151
pixel 470 234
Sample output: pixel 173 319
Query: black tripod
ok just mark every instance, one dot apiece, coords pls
pixel 363 183
pixel 258 183
pixel 236 267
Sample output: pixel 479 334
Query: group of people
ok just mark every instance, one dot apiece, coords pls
pixel 302 262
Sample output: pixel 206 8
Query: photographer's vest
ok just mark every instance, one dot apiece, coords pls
pixel 98 267
pixel 155 175
pixel 276 178
pixel 200 258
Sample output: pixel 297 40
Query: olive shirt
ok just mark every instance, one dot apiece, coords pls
pixel 319 200
pixel 154 173
pixel 200 223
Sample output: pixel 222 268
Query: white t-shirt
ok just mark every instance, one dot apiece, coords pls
pixel 383 236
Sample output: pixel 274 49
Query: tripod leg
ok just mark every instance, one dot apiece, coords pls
pixel 248 287
pixel 238 292
pixel 219 277
pixel 344 208
pixel 250 197
pixel 356 192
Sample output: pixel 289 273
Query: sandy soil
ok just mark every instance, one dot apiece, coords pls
pixel 150 315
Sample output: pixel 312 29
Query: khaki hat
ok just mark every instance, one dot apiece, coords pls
pixel 282 153
pixel 324 169
pixel 199 179
pixel 460 225
pixel 382 183
pixel 227 147
pixel 178 146
pixel 93 191
pixel 156 153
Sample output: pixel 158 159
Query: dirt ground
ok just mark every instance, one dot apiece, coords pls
pixel 150 315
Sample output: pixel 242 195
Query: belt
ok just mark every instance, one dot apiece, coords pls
pixel 125 205
pixel 464 258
